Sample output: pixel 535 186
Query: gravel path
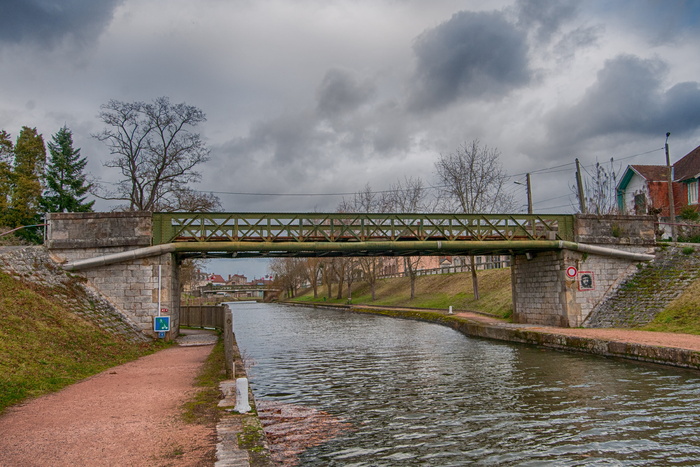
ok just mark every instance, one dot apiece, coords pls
pixel 125 416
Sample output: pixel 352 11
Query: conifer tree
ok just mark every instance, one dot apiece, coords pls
pixel 6 158
pixel 66 184
pixel 28 172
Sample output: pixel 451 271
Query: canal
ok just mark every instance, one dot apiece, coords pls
pixel 414 393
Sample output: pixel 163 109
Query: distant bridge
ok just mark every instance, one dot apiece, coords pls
pixel 255 289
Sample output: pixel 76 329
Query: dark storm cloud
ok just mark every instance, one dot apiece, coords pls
pixel 341 92
pixel 474 55
pixel 48 21
pixel 629 97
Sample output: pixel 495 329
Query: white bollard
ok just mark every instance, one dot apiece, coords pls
pixel 242 405
pixel 450 309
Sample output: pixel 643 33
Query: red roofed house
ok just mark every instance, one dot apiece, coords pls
pixel 216 279
pixel 643 189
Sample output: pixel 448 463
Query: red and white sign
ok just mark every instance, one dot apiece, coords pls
pixel 571 272
pixel 163 310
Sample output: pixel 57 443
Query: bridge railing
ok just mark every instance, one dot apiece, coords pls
pixel 349 227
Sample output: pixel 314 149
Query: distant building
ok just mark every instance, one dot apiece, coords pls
pixel 237 279
pixel 643 189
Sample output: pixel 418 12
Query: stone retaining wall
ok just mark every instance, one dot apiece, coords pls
pixel 33 264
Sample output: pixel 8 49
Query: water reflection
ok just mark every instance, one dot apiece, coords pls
pixel 423 394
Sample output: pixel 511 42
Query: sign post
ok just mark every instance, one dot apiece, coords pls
pixel 161 325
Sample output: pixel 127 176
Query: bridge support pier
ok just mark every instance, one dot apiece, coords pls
pixel 131 285
pixel 543 292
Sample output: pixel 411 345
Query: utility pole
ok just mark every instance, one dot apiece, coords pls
pixel 579 183
pixel 529 194
pixel 671 202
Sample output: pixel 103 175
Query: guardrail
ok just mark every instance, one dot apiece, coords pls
pixel 325 227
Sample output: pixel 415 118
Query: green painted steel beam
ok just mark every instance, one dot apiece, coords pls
pixel 377 248
pixel 357 227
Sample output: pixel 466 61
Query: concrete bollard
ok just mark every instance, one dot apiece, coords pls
pixel 242 405
pixel 450 309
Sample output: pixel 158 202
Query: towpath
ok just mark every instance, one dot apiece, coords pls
pixel 659 339
pixel 128 415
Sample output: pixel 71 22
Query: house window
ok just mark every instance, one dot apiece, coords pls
pixel 693 192
pixel 640 204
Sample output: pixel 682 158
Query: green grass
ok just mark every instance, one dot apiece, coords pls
pixel 45 347
pixel 436 291
pixel 202 408
pixel 682 315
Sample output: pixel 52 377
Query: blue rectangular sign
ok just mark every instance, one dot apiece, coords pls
pixel 161 323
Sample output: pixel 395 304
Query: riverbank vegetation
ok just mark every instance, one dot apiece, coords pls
pixel 432 291
pixel 45 347
pixel 442 291
pixel 682 315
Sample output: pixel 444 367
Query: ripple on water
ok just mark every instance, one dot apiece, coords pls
pixel 410 393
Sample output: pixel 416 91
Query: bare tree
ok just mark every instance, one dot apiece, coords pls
pixel 408 195
pixel 368 201
pixel 288 273
pixel 157 152
pixel 312 271
pixel 600 190
pixel 473 181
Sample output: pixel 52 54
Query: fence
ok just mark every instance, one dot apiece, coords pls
pixel 212 316
pixel 504 263
pixel 202 316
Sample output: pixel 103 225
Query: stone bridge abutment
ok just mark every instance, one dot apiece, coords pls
pixel 543 292
pixel 132 285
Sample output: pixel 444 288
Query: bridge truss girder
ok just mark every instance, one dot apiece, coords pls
pixel 357 227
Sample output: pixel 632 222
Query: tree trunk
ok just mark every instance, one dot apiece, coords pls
pixel 475 281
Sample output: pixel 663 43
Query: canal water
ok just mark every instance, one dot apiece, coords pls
pixel 415 393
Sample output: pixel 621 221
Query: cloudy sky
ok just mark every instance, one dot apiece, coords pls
pixel 309 99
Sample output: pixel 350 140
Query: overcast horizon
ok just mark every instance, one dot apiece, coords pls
pixel 310 100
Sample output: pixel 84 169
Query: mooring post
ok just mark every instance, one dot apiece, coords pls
pixel 242 405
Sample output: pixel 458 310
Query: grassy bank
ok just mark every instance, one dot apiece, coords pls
pixel 682 315
pixel 44 346
pixel 441 291
pixel 436 291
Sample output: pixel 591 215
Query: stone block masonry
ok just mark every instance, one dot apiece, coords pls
pixel 35 265
pixel 543 293
pixel 132 285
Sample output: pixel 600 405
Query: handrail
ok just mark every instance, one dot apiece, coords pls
pixel 358 227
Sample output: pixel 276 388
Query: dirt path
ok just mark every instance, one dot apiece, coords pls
pixel 125 416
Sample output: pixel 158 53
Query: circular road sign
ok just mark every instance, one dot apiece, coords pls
pixel 571 272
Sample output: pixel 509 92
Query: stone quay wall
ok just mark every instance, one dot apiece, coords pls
pixel 544 294
pixel 132 285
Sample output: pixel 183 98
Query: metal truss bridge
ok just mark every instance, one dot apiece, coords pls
pixel 353 234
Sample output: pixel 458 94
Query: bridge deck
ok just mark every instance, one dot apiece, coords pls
pixel 352 227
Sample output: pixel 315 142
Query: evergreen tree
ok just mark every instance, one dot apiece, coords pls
pixel 30 158
pixel 6 157
pixel 65 182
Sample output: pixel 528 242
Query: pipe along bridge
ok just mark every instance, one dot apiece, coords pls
pixel 95 242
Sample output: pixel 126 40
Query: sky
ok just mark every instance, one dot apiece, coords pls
pixel 309 101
